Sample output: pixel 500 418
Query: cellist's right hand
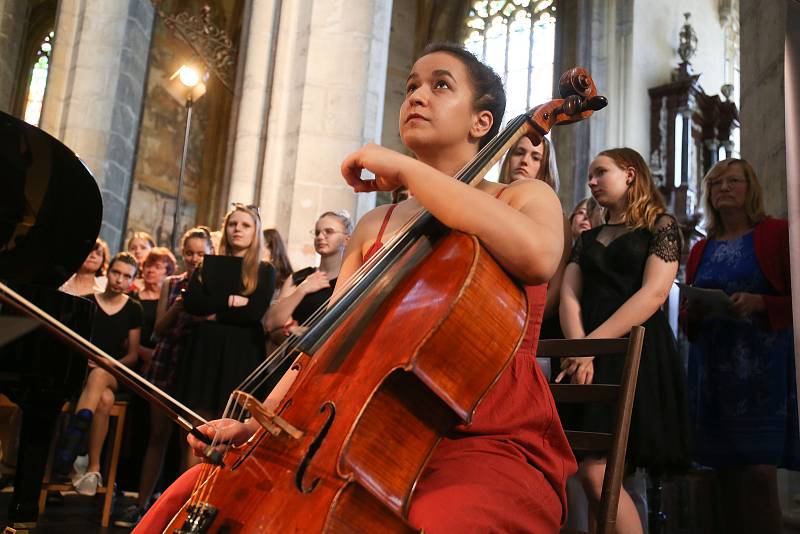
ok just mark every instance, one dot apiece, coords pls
pixel 228 431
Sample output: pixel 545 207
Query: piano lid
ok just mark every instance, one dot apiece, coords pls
pixel 50 206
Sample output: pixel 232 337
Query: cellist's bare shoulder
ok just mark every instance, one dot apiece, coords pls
pixel 531 192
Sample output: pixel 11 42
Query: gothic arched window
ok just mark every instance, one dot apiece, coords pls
pixel 38 81
pixel 516 38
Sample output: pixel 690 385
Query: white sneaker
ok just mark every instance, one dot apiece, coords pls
pixel 87 483
pixel 80 464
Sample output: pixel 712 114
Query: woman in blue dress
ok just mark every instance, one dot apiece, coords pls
pixel 742 389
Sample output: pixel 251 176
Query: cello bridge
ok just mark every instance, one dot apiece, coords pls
pixel 271 422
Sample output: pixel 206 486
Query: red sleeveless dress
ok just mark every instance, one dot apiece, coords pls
pixel 506 472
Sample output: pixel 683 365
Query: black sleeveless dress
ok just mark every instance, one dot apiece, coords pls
pixel 612 260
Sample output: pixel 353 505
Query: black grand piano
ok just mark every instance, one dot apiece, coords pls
pixel 50 215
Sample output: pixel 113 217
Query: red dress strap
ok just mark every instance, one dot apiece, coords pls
pixel 376 246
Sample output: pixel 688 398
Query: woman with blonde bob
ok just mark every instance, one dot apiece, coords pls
pixel 227 340
pixel 619 274
pixel 741 376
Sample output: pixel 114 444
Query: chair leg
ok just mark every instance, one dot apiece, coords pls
pixel 592 524
pixel 119 425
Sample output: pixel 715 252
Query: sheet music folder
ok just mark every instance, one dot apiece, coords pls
pixel 222 275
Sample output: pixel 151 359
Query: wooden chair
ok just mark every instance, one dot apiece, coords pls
pixel 111 460
pixel 615 444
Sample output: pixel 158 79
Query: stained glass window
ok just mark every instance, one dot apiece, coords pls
pixel 516 38
pixel 38 81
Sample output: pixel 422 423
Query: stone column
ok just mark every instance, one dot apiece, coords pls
pixel 594 34
pixel 12 25
pixel 762 114
pixel 327 101
pixel 253 100
pixel 95 91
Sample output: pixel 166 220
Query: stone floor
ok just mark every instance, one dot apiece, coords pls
pixel 75 514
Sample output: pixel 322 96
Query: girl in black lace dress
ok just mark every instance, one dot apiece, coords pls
pixel 619 275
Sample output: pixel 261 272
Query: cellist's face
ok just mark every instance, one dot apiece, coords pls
pixel 438 110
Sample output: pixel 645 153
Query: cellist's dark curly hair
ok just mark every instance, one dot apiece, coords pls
pixel 487 85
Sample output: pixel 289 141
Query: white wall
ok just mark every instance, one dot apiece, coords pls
pixel 653 55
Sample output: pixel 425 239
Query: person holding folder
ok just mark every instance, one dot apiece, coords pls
pixel 741 373
pixel 228 297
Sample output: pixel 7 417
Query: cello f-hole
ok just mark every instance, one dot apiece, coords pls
pixel 312 450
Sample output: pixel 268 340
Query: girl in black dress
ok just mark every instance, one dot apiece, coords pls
pixel 305 291
pixel 116 329
pixel 619 275
pixel 226 341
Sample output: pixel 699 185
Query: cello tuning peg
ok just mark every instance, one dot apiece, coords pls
pixel 596 103
pixel 572 105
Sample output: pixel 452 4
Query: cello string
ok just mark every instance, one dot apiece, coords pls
pixel 258 378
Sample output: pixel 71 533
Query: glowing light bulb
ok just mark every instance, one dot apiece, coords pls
pixel 188 76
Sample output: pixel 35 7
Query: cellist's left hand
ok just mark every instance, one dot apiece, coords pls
pixel 387 166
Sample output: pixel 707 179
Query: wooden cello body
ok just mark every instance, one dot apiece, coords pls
pixel 374 401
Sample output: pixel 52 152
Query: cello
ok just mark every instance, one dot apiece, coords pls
pixel 377 387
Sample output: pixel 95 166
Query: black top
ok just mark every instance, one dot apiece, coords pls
pixel 313 301
pixel 109 332
pixel 149 308
pixel 612 260
pixel 199 301
pixel 219 354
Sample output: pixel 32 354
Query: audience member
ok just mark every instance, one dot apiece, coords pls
pixel 305 291
pixel 90 277
pixel 586 215
pixel 115 329
pixel 742 387
pixel 524 161
pixel 226 342
pixel 170 330
pixel 157 266
pixel 275 253
pixel 139 244
pixel 619 275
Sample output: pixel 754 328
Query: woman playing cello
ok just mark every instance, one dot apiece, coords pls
pixel 506 471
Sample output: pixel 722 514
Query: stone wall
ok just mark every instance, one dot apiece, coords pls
pixel 94 93
pixel 12 26
pixel 160 140
pixel 124 127
pixel 327 100
pixel 763 109
pixel 160 144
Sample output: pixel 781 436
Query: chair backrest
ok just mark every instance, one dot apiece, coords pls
pixel 613 444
